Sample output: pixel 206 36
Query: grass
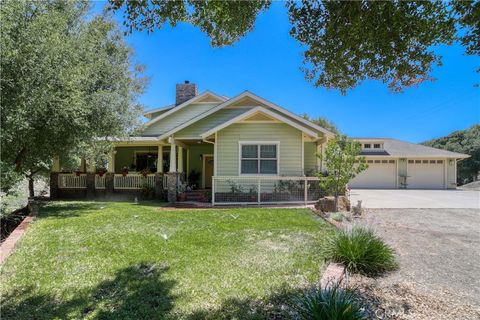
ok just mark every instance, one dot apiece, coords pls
pixel 361 251
pixel 116 260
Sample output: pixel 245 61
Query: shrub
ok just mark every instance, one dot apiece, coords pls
pixel 337 216
pixel 361 251
pixel 329 303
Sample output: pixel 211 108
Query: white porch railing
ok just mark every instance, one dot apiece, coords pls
pixel 264 190
pixel 99 182
pixel 71 181
pixel 133 181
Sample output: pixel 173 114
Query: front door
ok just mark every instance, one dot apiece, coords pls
pixel 208 171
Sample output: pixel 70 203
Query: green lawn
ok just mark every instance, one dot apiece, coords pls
pixel 114 260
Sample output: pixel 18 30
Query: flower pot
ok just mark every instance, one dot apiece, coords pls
pixel 77 173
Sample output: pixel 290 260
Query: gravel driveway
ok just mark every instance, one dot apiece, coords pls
pixel 439 249
pixel 445 199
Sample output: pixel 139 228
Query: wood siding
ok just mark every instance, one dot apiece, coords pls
pixel 177 118
pixel 290 139
pixel 210 122
pixel 310 157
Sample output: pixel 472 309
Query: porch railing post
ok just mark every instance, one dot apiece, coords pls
pixel 172 180
pixel 109 188
pixel 53 185
pixel 90 184
pixel 213 190
pixel 159 185
pixel 305 191
pixel 258 191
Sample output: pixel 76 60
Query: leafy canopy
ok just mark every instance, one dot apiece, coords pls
pixel 323 122
pixel 345 42
pixel 65 80
pixel 462 141
pixel 225 22
pixel 342 163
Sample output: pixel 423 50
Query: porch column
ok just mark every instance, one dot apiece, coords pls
pixel 92 167
pixel 111 161
pixel 160 159
pixel 317 155
pixel 56 164
pixel 83 165
pixel 180 159
pixel 173 157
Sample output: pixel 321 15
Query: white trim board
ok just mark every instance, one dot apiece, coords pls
pixel 238 98
pixel 183 105
pixel 258 110
pixel 258 143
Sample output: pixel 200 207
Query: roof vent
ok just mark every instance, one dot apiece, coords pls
pixel 184 92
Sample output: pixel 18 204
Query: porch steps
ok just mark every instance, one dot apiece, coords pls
pixel 194 196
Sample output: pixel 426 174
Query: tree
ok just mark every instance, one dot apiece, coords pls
pixel 462 141
pixel 225 22
pixel 342 163
pixel 323 122
pixel 345 42
pixel 67 78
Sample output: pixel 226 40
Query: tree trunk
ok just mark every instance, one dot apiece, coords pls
pixel 31 190
pixel 335 203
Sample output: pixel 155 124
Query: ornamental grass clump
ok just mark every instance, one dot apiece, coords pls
pixel 330 303
pixel 361 251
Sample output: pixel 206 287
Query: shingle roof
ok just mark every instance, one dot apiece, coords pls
pixel 404 149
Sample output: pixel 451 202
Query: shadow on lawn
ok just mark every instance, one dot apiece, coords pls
pixel 276 306
pixel 136 292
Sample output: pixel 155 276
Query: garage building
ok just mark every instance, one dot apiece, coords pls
pixel 399 164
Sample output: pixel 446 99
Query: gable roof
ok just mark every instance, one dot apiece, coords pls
pixel 404 149
pixel 186 103
pixel 166 108
pixel 248 95
pixel 262 110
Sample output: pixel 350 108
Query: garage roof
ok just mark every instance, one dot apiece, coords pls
pixel 404 149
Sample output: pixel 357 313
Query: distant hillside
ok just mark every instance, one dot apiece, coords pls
pixel 463 141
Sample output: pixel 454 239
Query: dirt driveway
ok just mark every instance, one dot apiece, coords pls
pixel 439 249
pixel 446 199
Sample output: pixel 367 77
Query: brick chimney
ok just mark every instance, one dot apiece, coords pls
pixel 185 91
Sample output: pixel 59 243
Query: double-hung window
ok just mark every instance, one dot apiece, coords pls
pixel 259 158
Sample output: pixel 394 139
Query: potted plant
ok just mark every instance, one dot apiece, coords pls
pixel 145 172
pixel 101 172
pixel 124 171
pixel 77 172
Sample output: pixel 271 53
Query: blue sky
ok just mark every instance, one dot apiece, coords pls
pixel 267 62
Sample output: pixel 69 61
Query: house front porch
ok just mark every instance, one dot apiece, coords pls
pixel 180 170
pixel 138 168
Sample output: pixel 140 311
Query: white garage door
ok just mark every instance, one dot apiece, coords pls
pixel 425 174
pixel 381 174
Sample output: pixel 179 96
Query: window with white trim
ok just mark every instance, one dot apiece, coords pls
pixel 259 158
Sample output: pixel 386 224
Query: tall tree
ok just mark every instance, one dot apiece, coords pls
pixel 462 141
pixel 345 42
pixel 342 163
pixel 323 122
pixel 66 79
